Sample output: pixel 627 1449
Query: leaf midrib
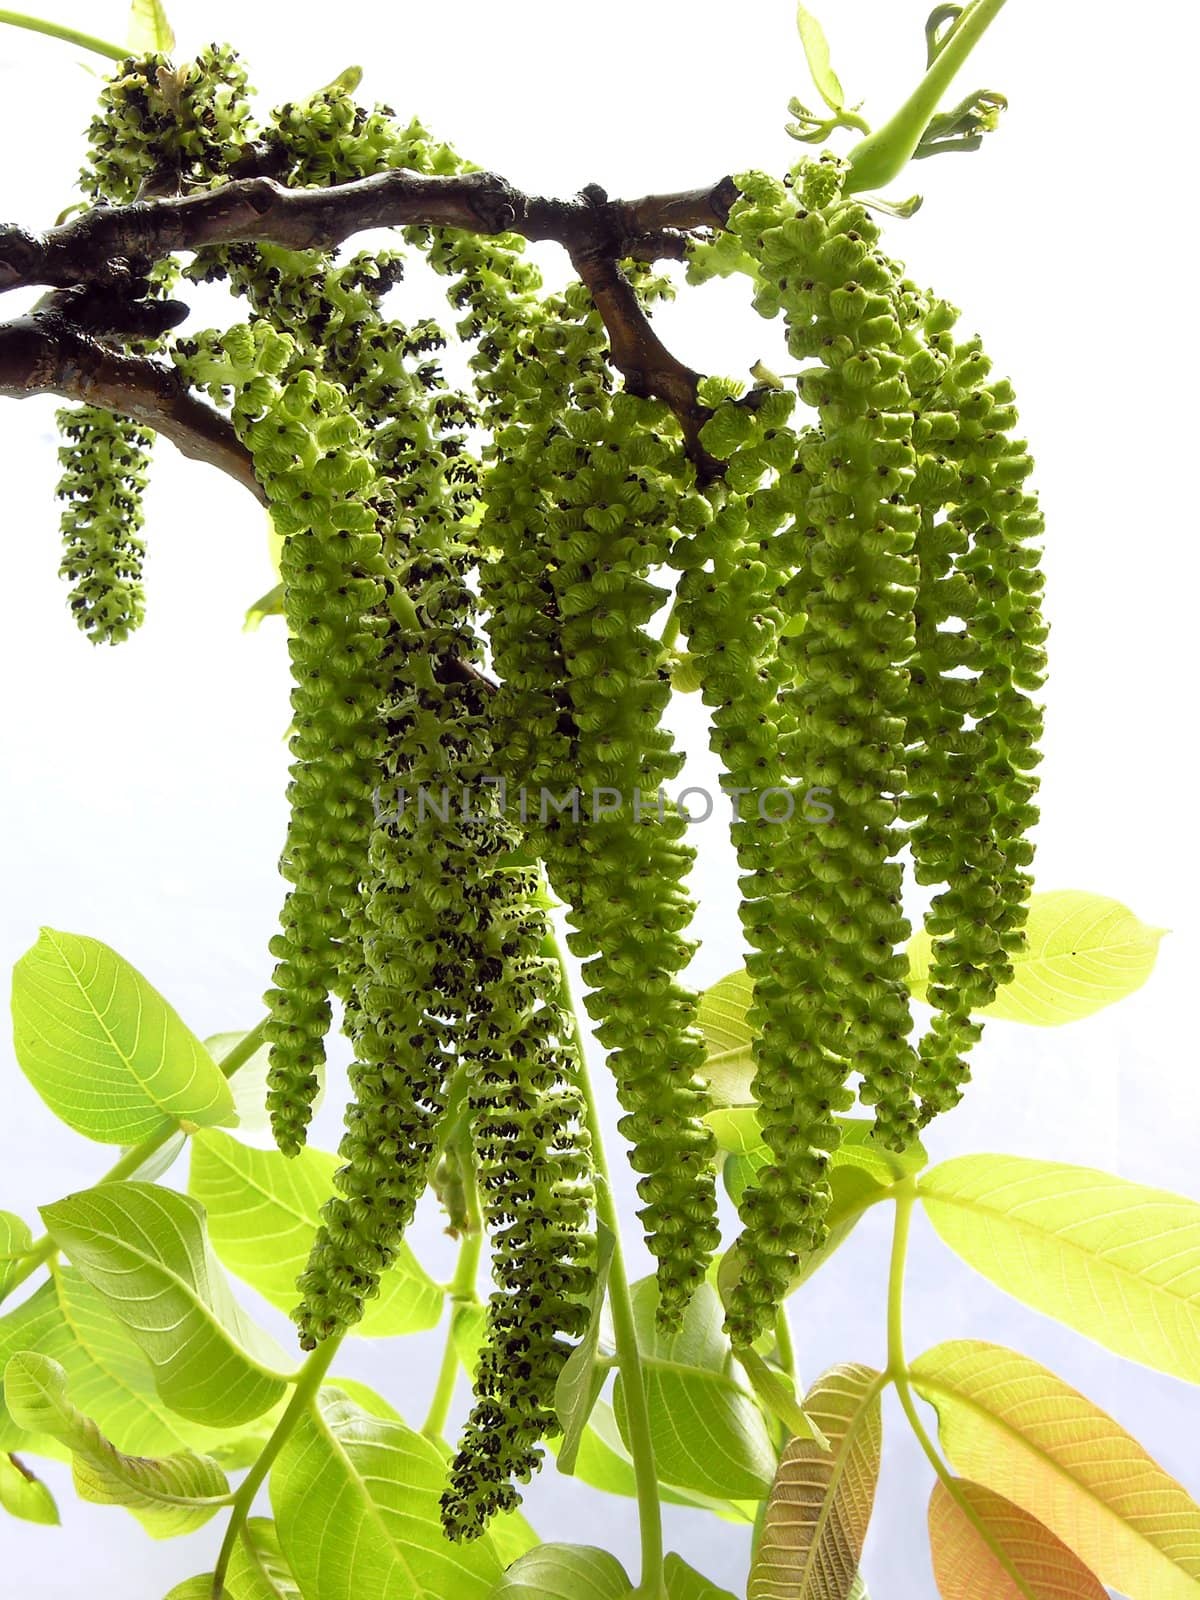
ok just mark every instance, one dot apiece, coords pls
pixel 127 1061
pixel 841 1461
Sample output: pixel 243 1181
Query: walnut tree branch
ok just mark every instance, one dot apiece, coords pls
pixel 109 245
pixel 43 353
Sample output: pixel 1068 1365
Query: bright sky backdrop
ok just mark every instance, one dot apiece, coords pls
pixel 142 788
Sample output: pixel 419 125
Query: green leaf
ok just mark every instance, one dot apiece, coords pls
pixel 149 31
pixel 267 605
pixel 144 1249
pixel 859 1149
pixel 581 1379
pixel 1113 1260
pixel 468 1324
pixel 356 1507
pixel 198 1588
pixel 708 1433
pixel 109 1376
pixel 159 1161
pixel 15 1239
pixel 861 1174
pixel 816 49
pixel 685 1583
pixel 346 82
pixel 34 1322
pixel 263 1210
pixel 604 1463
pixel 721 1018
pixel 820 1505
pixel 564 1572
pixel 986 1548
pixel 366 1398
pixel 23 1494
pixel 1083 952
pixel 1016 1428
pixel 776 1394
pixel 170 1495
pixel 737 1131
pixel 103 1048
pixel 258 1569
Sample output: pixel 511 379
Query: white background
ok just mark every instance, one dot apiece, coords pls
pixel 143 786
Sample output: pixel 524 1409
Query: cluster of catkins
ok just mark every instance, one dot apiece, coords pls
pixel 862 610
pixel 478 699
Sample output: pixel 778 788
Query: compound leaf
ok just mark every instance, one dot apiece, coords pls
pixel 1017 1429
pixel 990 1549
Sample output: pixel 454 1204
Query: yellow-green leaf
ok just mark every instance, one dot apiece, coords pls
pixel 685 1583
pixel 1016 1428
pixel 144 1249
pixel 258 1570
pixel 564 1572
pixel 821 1501
pixel 23 1494
pixel 816 49
pixel 1114 1260
pixel 248 1085
pixel 170 1495
pixel 582 1377
pixel 986 1548
pixel 708 1434
pixel 356 1509
pixel 15 1239
pixel 1083 952
pixel 103 1048
pixel 149 31
pixel 263 1209
pixel 721 1018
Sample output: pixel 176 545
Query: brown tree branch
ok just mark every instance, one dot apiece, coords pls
pixel 109 246
pixel 44 354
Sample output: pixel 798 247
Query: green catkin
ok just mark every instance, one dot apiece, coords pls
pixel 737 545
pixel 579 508
pixel 165 129
pixel 104 461
pixel 534 1172
pixel 827 961
pixel 898 617
pixel 972 723
pixel 308 454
